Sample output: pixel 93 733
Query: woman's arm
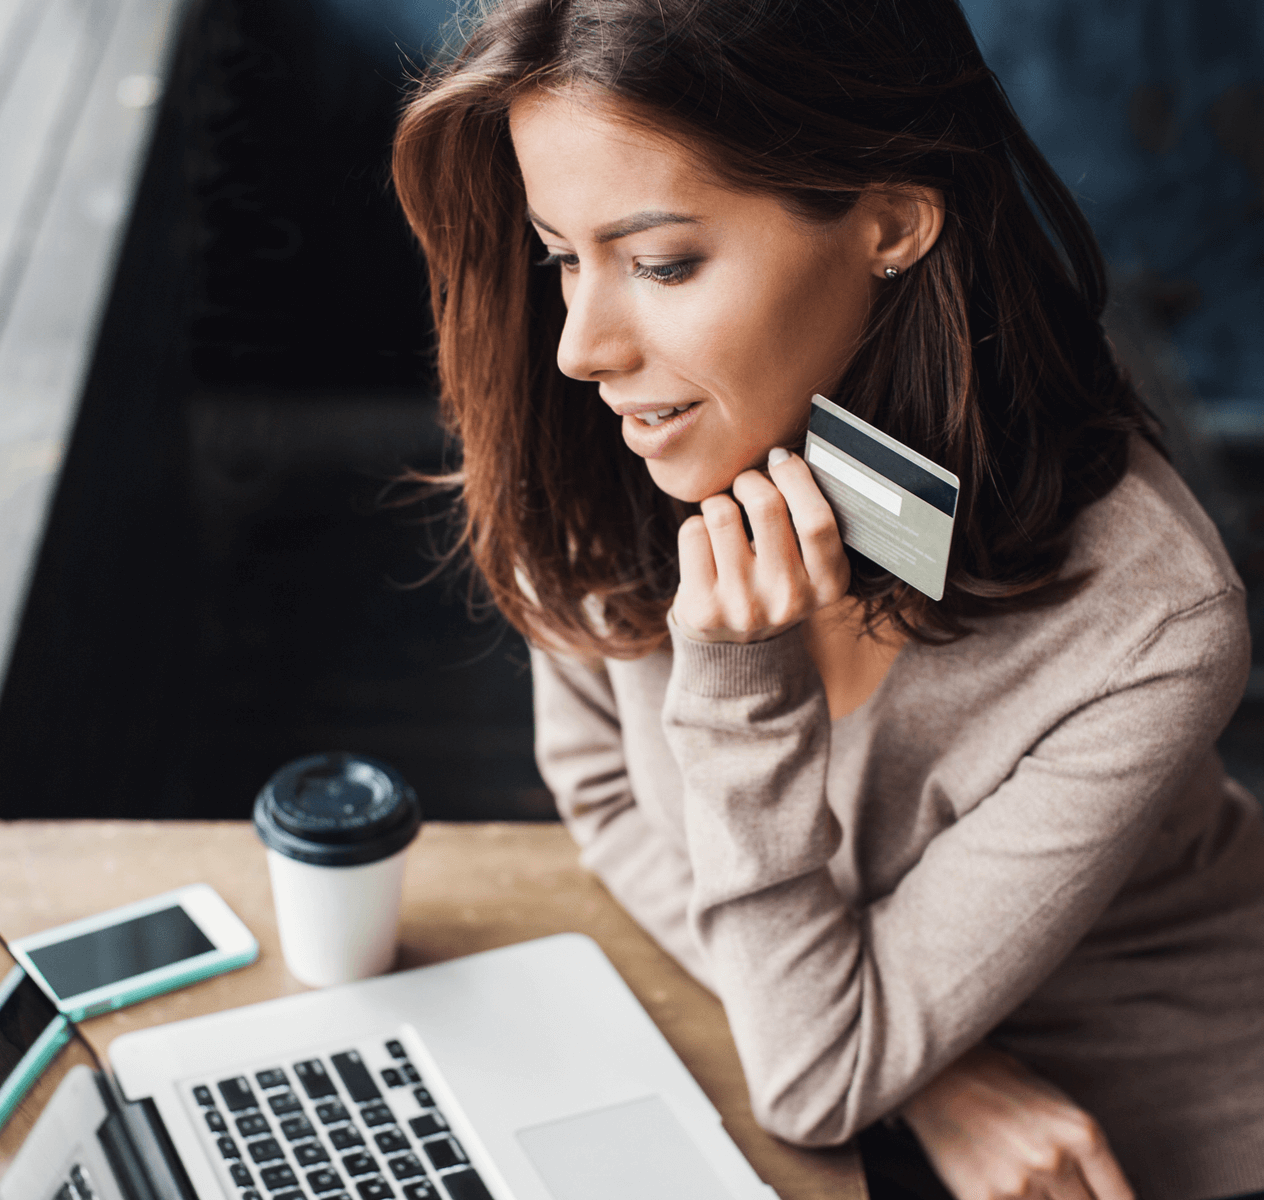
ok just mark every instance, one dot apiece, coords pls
pixel 972 1104
pixel 579 748
pixel 841 1013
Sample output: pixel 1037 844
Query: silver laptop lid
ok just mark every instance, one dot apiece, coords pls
pixel 552 1081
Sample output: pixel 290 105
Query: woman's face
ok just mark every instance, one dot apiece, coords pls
pixel 706 316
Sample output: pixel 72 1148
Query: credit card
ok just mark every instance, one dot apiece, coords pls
pixel 893 505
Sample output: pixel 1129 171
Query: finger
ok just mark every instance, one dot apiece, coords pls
pixel 820 543
pixel 1102 1173
pixel 697 561
pixel 775 545
pixel 734 561
pixel 1064 1183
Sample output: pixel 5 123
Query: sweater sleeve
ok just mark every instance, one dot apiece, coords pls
pixel 579 749
pixel 841 1012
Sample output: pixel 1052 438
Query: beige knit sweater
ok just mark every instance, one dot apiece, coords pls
pixel 1025 836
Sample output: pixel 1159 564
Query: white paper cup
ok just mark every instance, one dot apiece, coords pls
pixel 337 923
pixel 337 829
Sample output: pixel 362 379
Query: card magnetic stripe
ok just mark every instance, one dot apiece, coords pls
pixel 895 467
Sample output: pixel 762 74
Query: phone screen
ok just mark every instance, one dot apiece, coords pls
pixel 25 1012
pixel 34 1055
pixel 92 960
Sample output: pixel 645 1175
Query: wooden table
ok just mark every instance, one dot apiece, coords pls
pixel 466 888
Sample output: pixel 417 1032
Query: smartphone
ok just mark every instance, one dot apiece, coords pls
pixel 32 1033
pixel 128 954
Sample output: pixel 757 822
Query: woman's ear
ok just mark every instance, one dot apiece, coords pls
pixel 905 225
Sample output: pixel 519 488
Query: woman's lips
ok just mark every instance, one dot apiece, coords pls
pixel 649 441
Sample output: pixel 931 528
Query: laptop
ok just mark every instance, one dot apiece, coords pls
pixel 524 1073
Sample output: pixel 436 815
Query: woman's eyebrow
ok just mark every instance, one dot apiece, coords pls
pixel 636 223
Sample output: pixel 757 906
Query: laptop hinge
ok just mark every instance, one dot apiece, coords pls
pixel 136 1142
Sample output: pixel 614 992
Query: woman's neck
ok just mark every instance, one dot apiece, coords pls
pixel 852 663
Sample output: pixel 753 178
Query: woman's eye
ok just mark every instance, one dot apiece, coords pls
pixel 568 262
pixel 666 273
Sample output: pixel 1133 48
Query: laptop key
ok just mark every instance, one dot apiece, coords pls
pixel 227 1147
pixel 376 1114
pixel 444 1152
pixel 428 1124
pixel 315 1080
pixel 253 1124
pixel 410 1072
pixel 356 1077
pixel 375 1189
pixel 82 1182
pixel 324 1180
pixel 424 1098
pixel 273 1077
pixel 285 1102
pixel 278 1177
pixel 308 1154
pixel 396 1049
pixel 345 1138
pixel 406 1166
pixel 215 1121
pixel 265 1150
pixel 295 1128
pixel 250 1195
pixel 423 1189
pixel 202 1094
pixel 392 1078
pixel 237 1094
pixel 241 1175
pixel 466 1185
pixel 331 1111
pixel 391 1141
pixel 359 1163
pixel 295 1195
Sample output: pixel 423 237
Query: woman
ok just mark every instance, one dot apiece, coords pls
pixel 970 863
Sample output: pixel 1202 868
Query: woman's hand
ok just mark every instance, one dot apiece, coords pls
pixel 735 590
pixel 993 1130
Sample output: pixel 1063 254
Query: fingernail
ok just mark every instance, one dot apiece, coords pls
pixel 776 456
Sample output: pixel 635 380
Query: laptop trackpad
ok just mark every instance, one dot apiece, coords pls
pixel 626 1152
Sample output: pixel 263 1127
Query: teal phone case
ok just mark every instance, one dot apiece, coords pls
pixel 166 979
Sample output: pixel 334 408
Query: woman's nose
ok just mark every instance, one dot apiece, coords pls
pixel 598 337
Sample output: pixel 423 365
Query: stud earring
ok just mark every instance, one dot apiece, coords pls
pixel 891 272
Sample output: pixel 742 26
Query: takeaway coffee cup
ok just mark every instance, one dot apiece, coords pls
pixel 337 827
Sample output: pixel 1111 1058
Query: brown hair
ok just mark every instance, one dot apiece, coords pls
pixel 987 356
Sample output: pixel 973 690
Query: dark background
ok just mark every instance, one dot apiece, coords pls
pixel 222 588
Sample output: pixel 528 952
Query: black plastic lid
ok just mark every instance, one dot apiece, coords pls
pixel 337 810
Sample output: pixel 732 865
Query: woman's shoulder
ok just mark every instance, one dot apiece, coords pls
pixel 1155 640
pixel 1149 544
pixel 1159 595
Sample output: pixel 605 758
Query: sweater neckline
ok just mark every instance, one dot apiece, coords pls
pixel 864 708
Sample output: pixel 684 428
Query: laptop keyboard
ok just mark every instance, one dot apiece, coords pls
pixel 333 1128
pixel 78 1185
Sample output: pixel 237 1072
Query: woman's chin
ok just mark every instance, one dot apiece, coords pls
pixel 690 485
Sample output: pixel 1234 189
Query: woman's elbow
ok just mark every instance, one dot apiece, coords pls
pixel 803 1122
